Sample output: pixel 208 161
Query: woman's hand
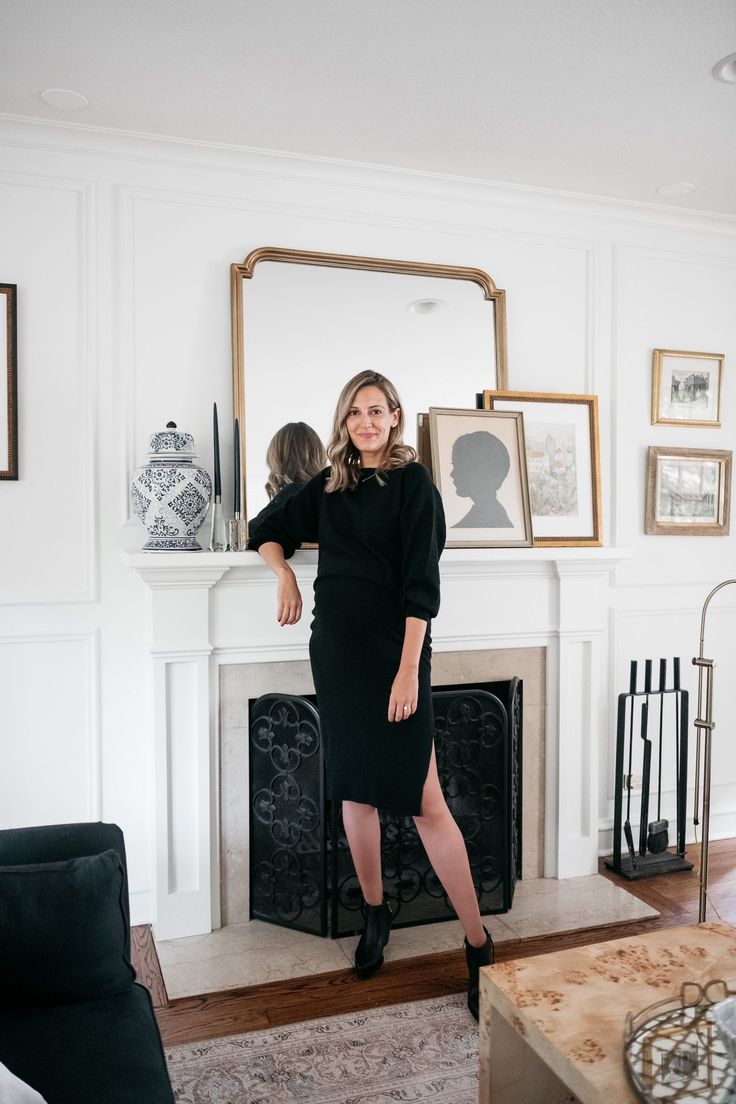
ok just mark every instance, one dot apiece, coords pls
pixel 289 608
pixel 404 694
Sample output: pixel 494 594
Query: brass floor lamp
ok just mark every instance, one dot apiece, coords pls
pixel 704 725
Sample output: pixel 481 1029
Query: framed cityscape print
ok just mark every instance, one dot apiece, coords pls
pixel 563 462
pixel 686 388
pixel 479 468
pixel 8 384
pixel 688 492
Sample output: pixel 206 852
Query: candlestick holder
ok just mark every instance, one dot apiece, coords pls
pixel 218 528
pixel 237 529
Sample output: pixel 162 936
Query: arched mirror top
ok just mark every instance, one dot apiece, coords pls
pixel 311 320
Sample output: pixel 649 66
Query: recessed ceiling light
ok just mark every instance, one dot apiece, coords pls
pixel 725 69
pixel 425 306
pixel 679 189
pixel 64 98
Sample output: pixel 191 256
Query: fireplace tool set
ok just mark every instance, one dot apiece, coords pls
pixel 652 729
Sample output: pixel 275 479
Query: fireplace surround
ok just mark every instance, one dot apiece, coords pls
pixel 213 628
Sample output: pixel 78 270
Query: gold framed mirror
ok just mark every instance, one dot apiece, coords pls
pixel 312 320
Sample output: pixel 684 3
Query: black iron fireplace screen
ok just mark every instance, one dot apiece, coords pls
pixel 302 876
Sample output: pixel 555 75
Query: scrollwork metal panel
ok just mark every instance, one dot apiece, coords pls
pixel 297 866
pixel 288 881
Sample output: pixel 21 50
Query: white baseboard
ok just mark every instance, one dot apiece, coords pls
pixel 142 908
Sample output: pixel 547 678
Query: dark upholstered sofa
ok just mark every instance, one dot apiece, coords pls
pixel 74 1023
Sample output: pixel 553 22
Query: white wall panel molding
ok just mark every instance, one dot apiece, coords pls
pixel 643 318
pixel 21 133
pixel 659 630
pixel 124 291
pixel 30 592
pixel 52 727
pixel 473 227
pixel 669 255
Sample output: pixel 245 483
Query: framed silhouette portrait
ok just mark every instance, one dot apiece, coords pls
pixel 479 468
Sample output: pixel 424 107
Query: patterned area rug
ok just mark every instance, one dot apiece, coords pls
pixel 421 1051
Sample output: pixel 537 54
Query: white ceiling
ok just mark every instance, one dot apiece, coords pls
pixel 605 97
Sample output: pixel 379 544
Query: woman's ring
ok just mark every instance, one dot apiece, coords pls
pixel 406 708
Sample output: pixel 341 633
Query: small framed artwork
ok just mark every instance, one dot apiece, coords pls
pixel 686 388
pixel 688 492
pixel 562 455
pixel 8 384
pixel 479 468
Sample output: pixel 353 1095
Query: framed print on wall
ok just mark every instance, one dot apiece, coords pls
pixel 688 492
pixel 479 468
pixel 8 384
pixel 563 461
pixel 686 388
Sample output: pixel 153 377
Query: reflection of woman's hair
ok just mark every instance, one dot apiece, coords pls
pixel 294 455
pixel 483 450
pixel 343 455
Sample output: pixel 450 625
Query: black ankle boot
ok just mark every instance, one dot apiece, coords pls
pixel 376 931
pixel 475 958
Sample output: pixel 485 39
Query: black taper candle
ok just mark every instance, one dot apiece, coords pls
pixel 236 488
pixel 216 446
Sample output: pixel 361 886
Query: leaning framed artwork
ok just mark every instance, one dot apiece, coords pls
pixel 563 461
pixel 9 384
pixel 686 388
pixel 688 492
pixel 479 468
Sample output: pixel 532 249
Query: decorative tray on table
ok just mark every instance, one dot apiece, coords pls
pixel 674 1050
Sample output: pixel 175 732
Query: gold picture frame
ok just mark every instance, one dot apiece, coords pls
pixel 8 383
pixel 563 461
pixel 478 457
pixel 686 388
pixel 688 492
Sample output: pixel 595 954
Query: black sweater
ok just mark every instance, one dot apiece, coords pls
pixel 391 534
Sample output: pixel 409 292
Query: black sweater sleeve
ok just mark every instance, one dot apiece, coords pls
pixel 293 523
pixel 422 541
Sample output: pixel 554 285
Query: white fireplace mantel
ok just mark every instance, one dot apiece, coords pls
pixel 209 608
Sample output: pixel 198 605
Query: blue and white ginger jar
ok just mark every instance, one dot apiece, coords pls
pixel 170 495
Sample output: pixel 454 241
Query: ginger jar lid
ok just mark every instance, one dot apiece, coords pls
pixel 171 444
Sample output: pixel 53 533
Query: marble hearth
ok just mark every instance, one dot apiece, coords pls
pixel 215 643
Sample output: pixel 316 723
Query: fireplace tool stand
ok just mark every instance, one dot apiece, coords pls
pixel 651 856
pixel 704 726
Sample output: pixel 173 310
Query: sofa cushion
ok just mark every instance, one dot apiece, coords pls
pixel 63 931
pixel 104 1051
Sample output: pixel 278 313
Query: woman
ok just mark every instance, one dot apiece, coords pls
pixel 378 520
pixel 295 453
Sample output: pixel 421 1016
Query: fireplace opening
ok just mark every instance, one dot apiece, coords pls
pixel 301 872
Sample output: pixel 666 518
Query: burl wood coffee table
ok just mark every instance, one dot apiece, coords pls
pixel 551 1027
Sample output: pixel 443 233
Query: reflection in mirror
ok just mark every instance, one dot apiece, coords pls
pixel 301 330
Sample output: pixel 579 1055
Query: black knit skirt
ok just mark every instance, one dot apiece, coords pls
pixel 355 650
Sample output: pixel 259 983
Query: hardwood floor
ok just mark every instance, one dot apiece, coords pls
pixel 191 1018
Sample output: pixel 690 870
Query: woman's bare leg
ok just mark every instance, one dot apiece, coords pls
pixel 363 829
pixel 445 847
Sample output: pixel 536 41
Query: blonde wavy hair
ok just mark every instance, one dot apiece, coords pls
pixel 294 455
pixel 342 453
